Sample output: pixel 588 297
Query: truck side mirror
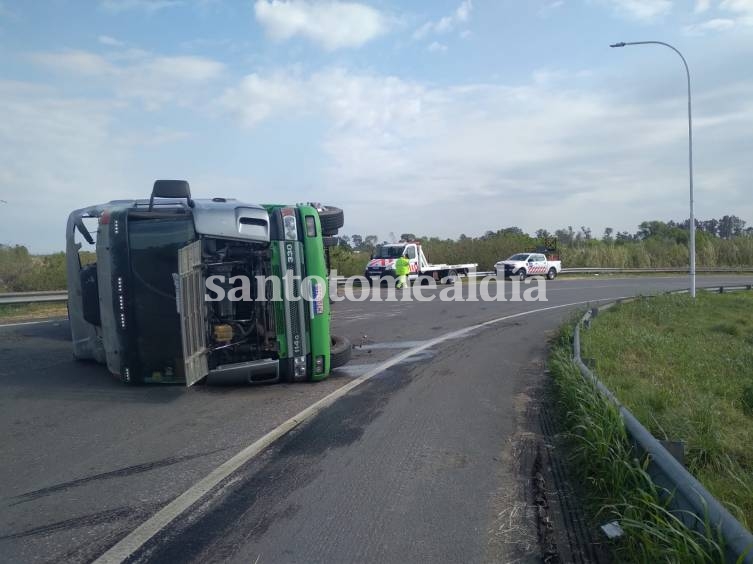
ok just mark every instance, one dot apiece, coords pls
pixel 170 189
pixel 83 230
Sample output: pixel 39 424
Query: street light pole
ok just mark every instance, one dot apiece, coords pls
pixel 690 155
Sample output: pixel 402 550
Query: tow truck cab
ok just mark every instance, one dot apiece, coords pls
pixel 141 308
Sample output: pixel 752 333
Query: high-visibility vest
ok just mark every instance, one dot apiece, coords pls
pixel 402 266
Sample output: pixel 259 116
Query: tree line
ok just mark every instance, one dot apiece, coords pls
pixel 724 242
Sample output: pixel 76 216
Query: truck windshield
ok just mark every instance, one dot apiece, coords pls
pixel 389 252
pixel 519 256
pixel 154 245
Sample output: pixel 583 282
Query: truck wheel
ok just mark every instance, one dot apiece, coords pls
pixel 339 352
pixel 552 274
pixel 451 277
pixel 332 219
pixel 522 274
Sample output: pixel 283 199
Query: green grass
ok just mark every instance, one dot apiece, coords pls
pixel 616 485
pixel 685 370
pixel 21 312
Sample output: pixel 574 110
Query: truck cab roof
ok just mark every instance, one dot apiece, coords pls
pixel 217 217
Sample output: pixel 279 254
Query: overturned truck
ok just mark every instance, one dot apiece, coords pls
pixel 215 290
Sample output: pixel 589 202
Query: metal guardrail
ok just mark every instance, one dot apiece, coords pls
pixel 687 495
pixel 704 270
pixel 609 270
pixel 33 297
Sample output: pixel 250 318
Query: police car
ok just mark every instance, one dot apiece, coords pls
pixel 523 265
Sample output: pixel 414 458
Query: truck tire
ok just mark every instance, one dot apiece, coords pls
pixel 552 274
pixel 331 219
pixel 452 275
pixel 522 274
pixel 339 352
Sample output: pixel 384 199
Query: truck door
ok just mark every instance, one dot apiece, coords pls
pixel 189 296
pixel 540 263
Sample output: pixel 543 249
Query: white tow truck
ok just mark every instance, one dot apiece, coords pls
pixel 522 265
pixel 382 264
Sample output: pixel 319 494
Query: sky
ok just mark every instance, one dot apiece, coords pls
pixel 439 118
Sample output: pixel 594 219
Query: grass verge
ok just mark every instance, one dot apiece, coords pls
pixel 617 486
pixel 10 313
pixel 684 369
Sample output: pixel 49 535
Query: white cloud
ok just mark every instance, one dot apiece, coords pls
pixel 148 6
pixel 138 75
pixel 715 25
pixel 62 153
pixel 495 152
pixel 75 62
pixel 548 77
pixel 702 6
pixel 743 8
pixel 56 153
pixel 436 47
pixel 642 10
pixel 183 68
pixel 463 12
pixel 461 15
pixel 331 24
pixel 361 101
pixel 738 13
pixel 109 41
pixel 256 98
pixel 551 7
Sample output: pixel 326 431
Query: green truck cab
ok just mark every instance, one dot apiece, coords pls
pixel 215 290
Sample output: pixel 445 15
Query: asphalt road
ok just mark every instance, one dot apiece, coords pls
pixel 417 464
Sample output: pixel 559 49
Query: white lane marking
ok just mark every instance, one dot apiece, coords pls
pixel 32 322
pixel 136 539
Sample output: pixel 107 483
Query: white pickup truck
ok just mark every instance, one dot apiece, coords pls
pixel 522 265
pixel 383 259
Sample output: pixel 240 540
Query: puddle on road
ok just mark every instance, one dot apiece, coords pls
pixel 391 345
pixel 357 370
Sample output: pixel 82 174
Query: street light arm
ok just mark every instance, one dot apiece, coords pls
pixel 684 62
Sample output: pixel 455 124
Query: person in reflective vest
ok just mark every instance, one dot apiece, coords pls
pixel 402 268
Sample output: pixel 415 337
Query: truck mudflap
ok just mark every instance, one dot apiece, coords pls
pixel 190 303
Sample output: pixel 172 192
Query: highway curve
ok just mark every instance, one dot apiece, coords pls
pixel 427 461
